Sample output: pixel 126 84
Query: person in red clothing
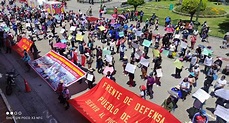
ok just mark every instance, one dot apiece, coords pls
pixel 193 41
pixel 74 56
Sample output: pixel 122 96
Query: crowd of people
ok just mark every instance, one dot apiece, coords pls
pixel 118 36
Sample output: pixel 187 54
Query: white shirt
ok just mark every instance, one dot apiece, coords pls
pixel 221 83
pixel 172 48
pixel 208 61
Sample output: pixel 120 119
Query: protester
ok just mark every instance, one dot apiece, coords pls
pixel 168 104
pixel 149 85
pixel 142 91
pixel 200 117
pixel 90 78
pixel 66 97
pixel 220 83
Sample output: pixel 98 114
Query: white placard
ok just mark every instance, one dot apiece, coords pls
pixel 136 56
pixel 134 45
pixel 177 36
pixel 62 31
pixel 106 69
pixel 27 25
pixel 109 58
pixel 138 33
pixel 72 28
pixel 223 93
pixel 130 68
pixel 80 33
pixel 159 72
pixel 222 112
pixel 183 44
pixel 89 77
pixel 201 95
pixel 144 62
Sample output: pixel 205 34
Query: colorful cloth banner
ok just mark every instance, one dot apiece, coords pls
pixel 109 102
pixel 23 44
pixel 54 68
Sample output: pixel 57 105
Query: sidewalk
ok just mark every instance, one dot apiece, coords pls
pixel 41 104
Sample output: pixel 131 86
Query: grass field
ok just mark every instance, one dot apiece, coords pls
pixel 218 26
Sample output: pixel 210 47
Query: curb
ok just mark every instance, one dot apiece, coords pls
pixel 7 104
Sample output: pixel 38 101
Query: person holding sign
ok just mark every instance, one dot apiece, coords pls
pixel 90 78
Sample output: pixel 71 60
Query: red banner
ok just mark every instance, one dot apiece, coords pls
pixel 23 44
pixel 54 68
pixel 108 102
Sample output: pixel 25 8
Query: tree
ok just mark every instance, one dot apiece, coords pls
pixel 135 3
pixel 191 6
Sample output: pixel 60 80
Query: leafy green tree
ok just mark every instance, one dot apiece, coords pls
pixel 135 3
pixel 191 6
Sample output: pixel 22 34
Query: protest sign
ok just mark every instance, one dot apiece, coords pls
pixel 102 28
pixel 89 77
pixel 121 34
pixel 106 69
pixel 62 31
pixel 222 112
pixel 106 52
pixel 79 37
pixel 70 37
pixel 206 52
pixel 138 33
pixel 183 44
pixel 144 62
pixel 134 45
pixel 165 52
pixel 146 43
pixel 109 58
pixel 130 68
pixel 159 72
pixel 72 28
pixel 201 95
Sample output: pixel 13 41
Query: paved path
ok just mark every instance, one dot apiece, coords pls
pixel 42 101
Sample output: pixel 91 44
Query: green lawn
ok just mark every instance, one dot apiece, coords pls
pixel 218 26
